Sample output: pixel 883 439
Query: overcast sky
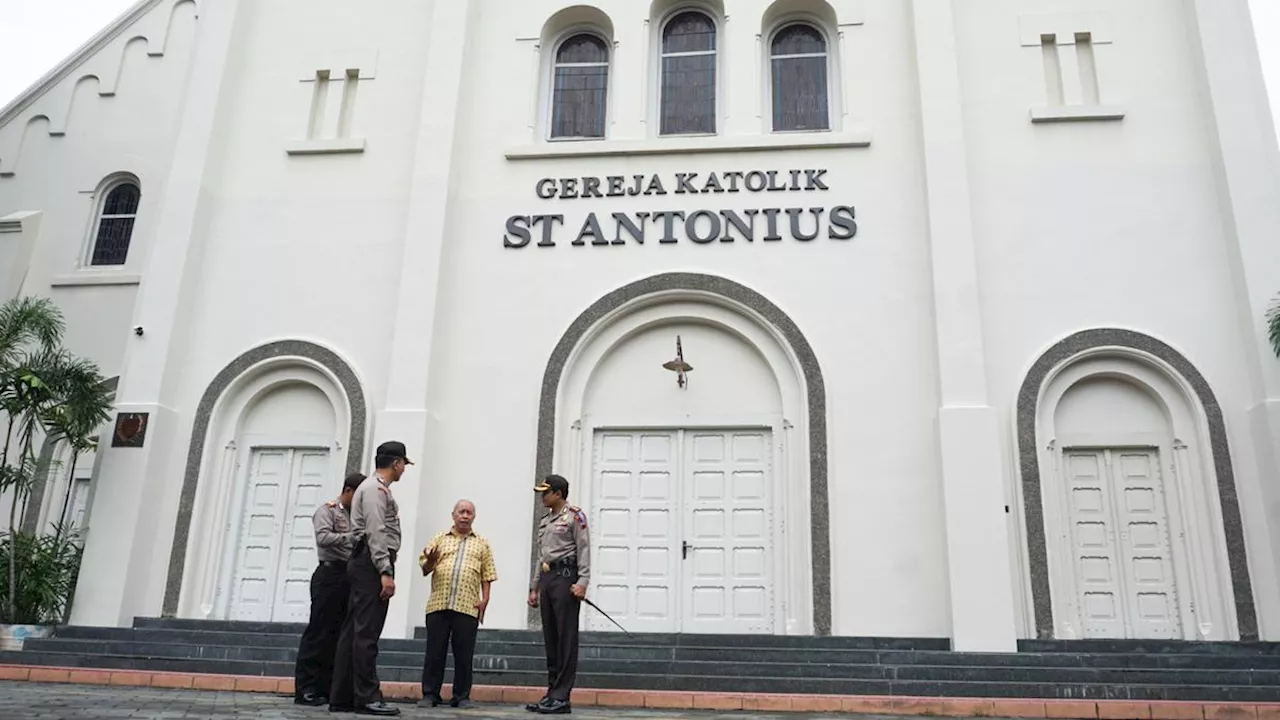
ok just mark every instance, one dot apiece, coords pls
pixel 36 35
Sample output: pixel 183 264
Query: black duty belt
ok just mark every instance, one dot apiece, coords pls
pixel 333 563
pixel 565 566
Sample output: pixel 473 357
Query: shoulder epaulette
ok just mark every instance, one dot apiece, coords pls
pixel 581 516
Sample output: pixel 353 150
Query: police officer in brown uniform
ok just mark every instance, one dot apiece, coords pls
pixel 313 671
pixel 558 586
pixel 375 524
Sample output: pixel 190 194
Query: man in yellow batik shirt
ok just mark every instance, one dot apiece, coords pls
pixel 463 565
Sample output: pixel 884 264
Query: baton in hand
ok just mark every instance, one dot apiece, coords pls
pixel 605 614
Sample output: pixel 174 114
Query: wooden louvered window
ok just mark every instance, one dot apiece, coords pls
pixel 114 228
pixel 580 91
pixel 688 75
pixel 798 71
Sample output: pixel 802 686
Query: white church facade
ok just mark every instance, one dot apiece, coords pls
pixel 919 318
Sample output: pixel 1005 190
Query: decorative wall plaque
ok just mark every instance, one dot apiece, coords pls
pixel 131 430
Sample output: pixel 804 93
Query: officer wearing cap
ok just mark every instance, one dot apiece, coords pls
pixel 558 586
pixel 375 525
pixel 313 671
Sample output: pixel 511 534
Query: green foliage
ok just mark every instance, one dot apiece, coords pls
pixel 25 322
pixel 1273 326
pixel 47 567
pixel 44 390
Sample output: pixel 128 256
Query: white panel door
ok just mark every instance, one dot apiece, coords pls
pixel 1144 542
pixel 308 472
pixel 636 538
pixel 728 530
pixel 280 480
pixel 1120 538
pixel 261 523
pixel 1092 525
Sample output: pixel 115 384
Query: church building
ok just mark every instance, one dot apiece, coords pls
pixel 895 318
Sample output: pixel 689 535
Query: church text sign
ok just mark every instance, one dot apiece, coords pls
pixel 803 223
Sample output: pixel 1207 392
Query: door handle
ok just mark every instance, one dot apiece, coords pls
pixel 684 549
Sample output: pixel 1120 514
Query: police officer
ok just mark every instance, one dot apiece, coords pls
pixel 375 525
pixel 313 672
pixel 558 586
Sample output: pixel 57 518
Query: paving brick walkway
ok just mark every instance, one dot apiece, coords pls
pixel 47 701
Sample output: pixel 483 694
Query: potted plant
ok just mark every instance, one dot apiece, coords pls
pixel 44 391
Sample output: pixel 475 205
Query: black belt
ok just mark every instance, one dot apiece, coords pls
pixel 333 563
pixel 565 566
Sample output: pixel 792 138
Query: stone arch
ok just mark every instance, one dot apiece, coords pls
pixel 1188 387
pixel 769 317
pixel 256 363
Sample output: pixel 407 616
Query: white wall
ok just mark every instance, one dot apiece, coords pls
pixel 1077 225
pixel 130 130
pixel 503 310
pixel 1108 224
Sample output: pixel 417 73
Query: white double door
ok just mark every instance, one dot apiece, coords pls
pixel 275 553
pixel 683 531
pixel 1121 545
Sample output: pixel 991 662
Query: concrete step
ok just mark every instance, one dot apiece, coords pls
pixel 102 639
pixel 920 667
pixel 708 683
pixel 1150 646
pixel 246 656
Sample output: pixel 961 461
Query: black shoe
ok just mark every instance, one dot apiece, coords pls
pixel 461 703
pixel 312 699
pixel 378 708
pixel 341 708
pixel 430 701
pixel 533 706
pixel 555 707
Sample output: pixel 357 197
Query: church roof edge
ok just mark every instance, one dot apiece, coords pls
pixel 66 67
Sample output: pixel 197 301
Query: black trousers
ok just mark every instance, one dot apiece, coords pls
pixel 313 672
pixel 447 627
pixel 355 666
pixel 559 632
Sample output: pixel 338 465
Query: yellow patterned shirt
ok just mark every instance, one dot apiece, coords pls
pixel 465 562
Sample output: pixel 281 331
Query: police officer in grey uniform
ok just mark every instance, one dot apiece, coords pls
pixel 375 524
pixel 313 671
pixel 558 586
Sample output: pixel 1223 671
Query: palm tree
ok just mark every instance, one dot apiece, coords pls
pixel 42 388
pixel 85 407
pixel 24 322
pixel 1273 326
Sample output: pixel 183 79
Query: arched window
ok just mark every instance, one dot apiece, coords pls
pixel 580 93
pixel 114 227
pixel 798 60
pixel 688 75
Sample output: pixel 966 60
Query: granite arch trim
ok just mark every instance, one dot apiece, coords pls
pixel 820 533
pixel 31 517
pixel 1033 507
pixel 323 356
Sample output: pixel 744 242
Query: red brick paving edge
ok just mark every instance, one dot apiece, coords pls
pixel 589 697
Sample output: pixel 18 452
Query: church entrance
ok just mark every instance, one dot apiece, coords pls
pixel 276 551
pixel 1120 541
pixel 683 530
pixel 683 430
